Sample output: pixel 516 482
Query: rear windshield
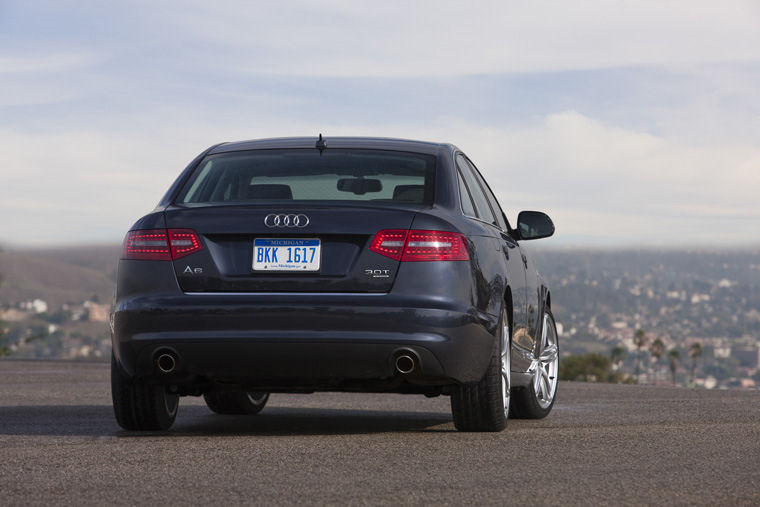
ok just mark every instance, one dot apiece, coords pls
pixel 265 176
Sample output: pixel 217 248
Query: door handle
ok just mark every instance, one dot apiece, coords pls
pixel 525 261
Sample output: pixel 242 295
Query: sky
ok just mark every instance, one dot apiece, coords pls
pixel 632 123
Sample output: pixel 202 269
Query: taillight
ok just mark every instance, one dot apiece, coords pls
pixel 416 245
pixel 184 242
pixel 147 245
pixel 435 246
pixel 389 243
pixel 160 244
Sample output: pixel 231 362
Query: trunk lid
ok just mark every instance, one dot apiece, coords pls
pixel 226 263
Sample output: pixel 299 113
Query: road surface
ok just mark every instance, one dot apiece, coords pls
pixel 602 444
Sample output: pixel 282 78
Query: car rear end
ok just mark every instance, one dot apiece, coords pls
pixel 282 267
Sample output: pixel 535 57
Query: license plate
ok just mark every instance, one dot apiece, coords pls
pixel 272 254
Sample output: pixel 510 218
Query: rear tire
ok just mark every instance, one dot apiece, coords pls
pixel 484 406
pixel 236 402
pixel 140 406
pixel 536 400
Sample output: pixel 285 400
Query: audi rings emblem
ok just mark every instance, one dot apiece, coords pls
pixel 286 220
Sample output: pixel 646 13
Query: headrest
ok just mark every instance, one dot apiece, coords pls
pixel 272 191
pixel 409 193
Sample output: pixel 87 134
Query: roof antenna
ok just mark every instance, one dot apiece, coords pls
pixel 321 145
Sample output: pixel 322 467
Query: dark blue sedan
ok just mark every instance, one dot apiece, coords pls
pixel 345 264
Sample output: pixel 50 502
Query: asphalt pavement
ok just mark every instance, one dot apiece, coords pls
pixel 602 444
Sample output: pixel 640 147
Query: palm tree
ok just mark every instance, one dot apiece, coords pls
pixel 674 355
pixel 640 340
pixel 616 355
pixel 695 352
pixel 4 350
pixel 657 350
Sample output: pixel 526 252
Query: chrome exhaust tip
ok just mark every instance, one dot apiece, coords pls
pixel 166 362
pixel 405 364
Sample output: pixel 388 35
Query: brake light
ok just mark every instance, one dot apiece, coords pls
pixel 147 245
pixel 160 244
pixel 417 245
pixel 435 246
pixel 184 242
pixel 389 243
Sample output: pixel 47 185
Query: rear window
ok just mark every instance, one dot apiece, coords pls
pixel 264 176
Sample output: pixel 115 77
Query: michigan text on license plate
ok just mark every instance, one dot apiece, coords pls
pixel 272 254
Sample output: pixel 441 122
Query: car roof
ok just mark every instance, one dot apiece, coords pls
pixel 378 143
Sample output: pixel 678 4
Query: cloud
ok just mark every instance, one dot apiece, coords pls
pixel 74 186
pixel 607 184
pixel 631 186
pixel 53 63
pixel 601 183
pixel 656 143
pixel 448 38
pixel 45 78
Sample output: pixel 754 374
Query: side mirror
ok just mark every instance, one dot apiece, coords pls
pixel 534 225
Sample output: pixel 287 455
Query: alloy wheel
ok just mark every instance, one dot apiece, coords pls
pixel 256 398
pixel 545 365
pixel 506 364
pixel 171 402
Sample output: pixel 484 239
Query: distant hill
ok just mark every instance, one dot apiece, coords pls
pixel 599 296
pixel 58 276
pixel 602 296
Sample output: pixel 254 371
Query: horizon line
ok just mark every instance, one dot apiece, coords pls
pixel 545 246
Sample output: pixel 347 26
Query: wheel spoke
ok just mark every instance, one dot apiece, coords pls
pixel 542 345
pixel 545 376
pixel 548 355
pixel 545 391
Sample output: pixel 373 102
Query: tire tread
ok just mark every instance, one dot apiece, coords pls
pixel 478 406
pixel 136 404
pixel 232 403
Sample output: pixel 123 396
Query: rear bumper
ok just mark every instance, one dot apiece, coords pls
pixel 286 340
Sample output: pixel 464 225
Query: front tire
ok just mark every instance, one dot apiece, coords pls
pixel 140 406
pixel 485 406
pixel 236 402
pixel 536 400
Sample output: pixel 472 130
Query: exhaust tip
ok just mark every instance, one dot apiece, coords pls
pixel 166 362
pixel 405 364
